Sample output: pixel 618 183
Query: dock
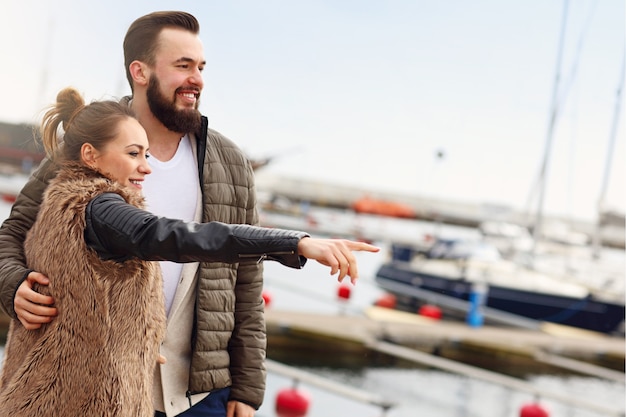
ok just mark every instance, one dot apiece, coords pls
pixel 497 355
pixel 352 336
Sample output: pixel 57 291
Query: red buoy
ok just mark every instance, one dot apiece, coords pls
pixel 344 292
pixel 387 301
pixel 533 410
pixel 292 402
pixel 429 310
pixel 267 297
pixel 9 198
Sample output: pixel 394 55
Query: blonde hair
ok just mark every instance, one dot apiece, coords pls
pixel 95 123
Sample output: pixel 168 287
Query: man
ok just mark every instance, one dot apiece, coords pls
pixel 215 340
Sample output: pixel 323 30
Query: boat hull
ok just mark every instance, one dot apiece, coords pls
pixel 586 313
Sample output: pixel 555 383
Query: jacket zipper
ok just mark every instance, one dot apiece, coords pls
pixel 265 256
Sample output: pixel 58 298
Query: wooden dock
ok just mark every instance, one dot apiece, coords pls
pixel 445 345
pixel 350 337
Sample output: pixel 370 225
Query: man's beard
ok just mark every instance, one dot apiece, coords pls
pixel 180 121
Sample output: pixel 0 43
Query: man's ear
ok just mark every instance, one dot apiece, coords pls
pixel 139 72
pixel 89 154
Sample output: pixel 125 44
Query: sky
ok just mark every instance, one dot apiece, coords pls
pixel 445 99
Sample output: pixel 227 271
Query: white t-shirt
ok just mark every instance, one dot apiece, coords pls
pixel 172 190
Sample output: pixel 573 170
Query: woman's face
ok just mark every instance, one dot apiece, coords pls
pixel 124 159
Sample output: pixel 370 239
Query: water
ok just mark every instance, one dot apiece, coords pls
pixel 416 391
pixel 432 393
pixel 439 394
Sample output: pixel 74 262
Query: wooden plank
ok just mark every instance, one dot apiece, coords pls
pixel 579 366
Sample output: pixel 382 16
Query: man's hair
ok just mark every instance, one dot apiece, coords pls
pixel 140 42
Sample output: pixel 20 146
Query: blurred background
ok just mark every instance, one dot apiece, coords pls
pixel 400 123
pixel 447 99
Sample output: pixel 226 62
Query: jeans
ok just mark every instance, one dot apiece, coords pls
pixel 214 405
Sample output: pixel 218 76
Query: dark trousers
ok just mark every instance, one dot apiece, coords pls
pixel 214 405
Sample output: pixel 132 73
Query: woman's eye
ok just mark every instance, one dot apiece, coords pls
pixel 133 154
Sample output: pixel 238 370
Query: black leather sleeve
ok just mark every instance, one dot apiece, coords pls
pixel 118 231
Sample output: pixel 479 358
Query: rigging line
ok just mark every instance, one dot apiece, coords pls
pixel 549 134
pixel 539 180
pixel 565 91
pixel 537 183
pixel 574 69
pixel 614 126
pixel 609 158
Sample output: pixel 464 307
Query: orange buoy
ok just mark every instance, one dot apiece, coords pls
pixel 343 292
pixel 267 298
pixel 387 301
pixel 429 310
pixel 292 402
pixel 533 410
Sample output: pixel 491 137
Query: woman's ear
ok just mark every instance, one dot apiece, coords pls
pixel 89 155
pixel 139 72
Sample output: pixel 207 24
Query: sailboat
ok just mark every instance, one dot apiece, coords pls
pixel 522 292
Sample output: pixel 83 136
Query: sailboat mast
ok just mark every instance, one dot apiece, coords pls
pixel 609 158
pixel 550 133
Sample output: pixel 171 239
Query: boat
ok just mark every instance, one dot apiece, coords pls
pixel 512 288
pixel 509 238
pixel 455 269
pixel 383 207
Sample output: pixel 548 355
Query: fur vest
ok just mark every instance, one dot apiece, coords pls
pixel 97 357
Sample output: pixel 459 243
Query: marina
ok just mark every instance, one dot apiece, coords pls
pixel 305 325
pixel 319 332
pixel 350 357
pixel 413 126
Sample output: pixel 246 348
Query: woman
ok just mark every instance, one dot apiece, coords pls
pixel 95 244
